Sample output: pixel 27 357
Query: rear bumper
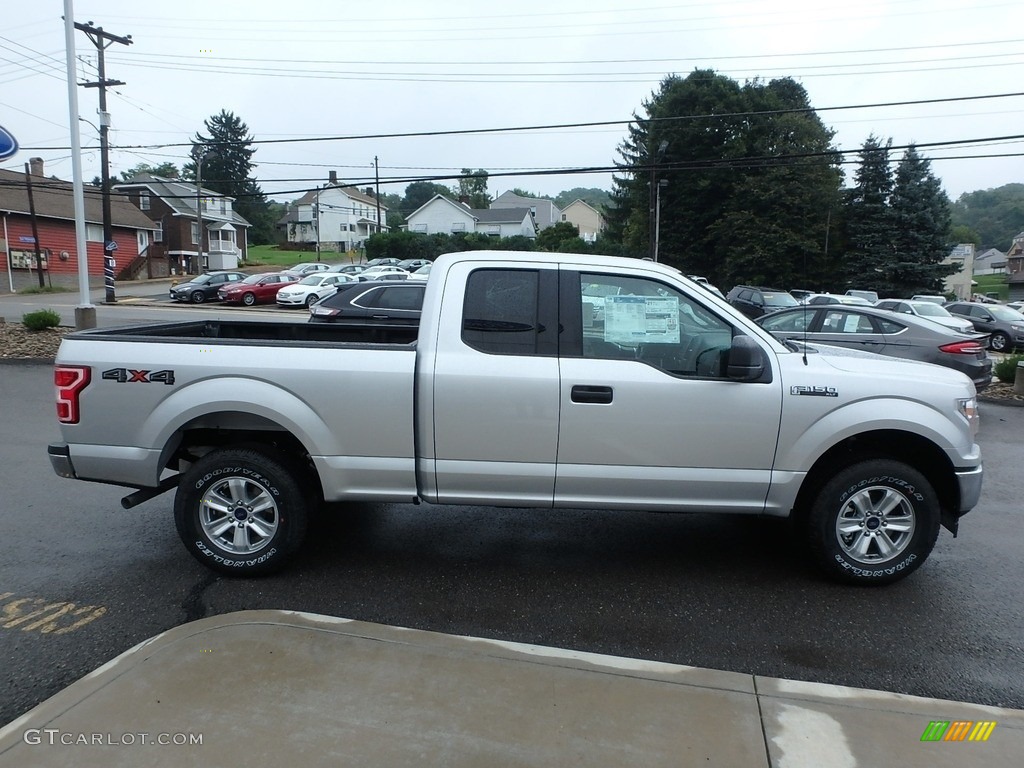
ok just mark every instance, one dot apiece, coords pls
pixel 60 459
pixel 114 465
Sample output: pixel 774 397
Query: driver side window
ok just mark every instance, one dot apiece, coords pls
pixel 630 318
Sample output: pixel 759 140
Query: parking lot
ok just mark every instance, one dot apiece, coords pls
pixel 82 580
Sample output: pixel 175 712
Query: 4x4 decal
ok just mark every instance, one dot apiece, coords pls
pixel 130 376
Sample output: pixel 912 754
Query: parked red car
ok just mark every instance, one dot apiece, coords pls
pixel 256 289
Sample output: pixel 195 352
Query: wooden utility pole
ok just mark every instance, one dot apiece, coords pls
pixel 35 229
pixel 102 40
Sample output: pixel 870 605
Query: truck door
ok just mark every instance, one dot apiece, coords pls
pixel 495 390
pixel 649 419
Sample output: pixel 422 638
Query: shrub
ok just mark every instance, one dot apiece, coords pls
pixel 1006 369
pixel 41 319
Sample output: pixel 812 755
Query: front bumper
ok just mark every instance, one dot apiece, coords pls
pixel 969 481
pixel 292 301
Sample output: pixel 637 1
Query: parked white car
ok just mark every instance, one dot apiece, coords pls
pixel 928 310
pixel 311 289
pixel 422 273
pixel 383 273
pixel 307 268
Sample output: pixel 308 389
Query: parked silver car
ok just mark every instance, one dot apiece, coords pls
pixel 1004 325
pixel 884 333
pixel 927 310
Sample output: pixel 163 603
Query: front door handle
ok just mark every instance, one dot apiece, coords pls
pixel 582 393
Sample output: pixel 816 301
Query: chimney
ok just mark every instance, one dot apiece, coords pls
pixel 333 178
pixel 369 191
pixel 35 165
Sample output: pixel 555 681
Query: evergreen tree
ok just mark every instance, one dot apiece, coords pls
pixel 870 223
pixel 227 168
pixel 922 219
pixel 751 180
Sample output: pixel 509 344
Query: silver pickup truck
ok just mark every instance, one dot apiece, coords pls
pixel 514 391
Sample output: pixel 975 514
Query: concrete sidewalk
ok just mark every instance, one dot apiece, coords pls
pixel 280 688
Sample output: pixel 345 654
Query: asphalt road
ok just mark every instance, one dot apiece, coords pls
pixel 82 580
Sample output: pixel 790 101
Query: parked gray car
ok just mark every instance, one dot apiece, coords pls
pixel 884 333
pixel 1005 326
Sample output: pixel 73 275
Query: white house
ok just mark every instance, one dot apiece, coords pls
pixel 990 262
pixel 334 217
pixel 587 218
pixel 441 215
pixel 545 213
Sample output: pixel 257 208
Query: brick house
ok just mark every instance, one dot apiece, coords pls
pixel 171 206
pixel 55 222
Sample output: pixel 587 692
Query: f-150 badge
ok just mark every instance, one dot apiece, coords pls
pixel 799 389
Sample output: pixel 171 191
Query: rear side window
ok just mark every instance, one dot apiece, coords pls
pixel 399 297
pixel 499 314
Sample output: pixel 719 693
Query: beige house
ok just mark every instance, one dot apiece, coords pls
pixel 587 219
pixel 961 282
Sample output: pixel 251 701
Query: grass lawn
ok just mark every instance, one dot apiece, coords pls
pixel 992 284
pixel 272 256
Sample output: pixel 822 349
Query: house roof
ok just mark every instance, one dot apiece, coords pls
pixel 500 215
pixel 465 210
pixel 518 201
pixel 352 192
pixel 54 199
pixel 180 196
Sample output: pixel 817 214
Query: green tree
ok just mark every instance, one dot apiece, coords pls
pixel 961 233
pixel 563 237
pixel 751 180
pixel 164 171
pixel 922 220
pixel 227 168
pixel 593 196
pixel 419 193
pixel 996 215
pixel 473 187
pixel 870 223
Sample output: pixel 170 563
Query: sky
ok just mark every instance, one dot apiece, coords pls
pixel 341 86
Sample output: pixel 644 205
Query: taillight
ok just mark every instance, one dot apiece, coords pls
pixel 70 381
pixel 962 348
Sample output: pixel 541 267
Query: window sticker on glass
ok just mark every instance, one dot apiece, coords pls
pixel 641 319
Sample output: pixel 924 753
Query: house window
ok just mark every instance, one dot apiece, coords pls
pixel 459 226
pixel 144 201
pixel 94 233
pixel 195 233
pixel 158 234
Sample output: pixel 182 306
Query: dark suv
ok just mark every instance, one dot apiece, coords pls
pixel 754 301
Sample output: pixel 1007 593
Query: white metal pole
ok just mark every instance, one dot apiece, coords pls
pixel 78 190
pixel 10 277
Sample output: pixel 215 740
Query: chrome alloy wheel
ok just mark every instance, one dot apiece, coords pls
pixel 239 515
pixel 875 525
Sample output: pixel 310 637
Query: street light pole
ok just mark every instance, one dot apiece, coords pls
pixel 199 207
pixel 653 158
pixel 657 217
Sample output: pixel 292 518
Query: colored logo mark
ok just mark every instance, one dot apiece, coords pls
pixel 8 144
pixel 958 730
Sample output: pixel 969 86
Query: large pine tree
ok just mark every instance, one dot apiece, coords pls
pixel 751 176
pixel 227 168
pixel 921 212
pixel 870 224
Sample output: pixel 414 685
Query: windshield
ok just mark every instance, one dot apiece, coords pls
pixel 1005 313
pixel 927 309
pixel 312 280
pixel 252 279
pixel 779 300
pixel 201 280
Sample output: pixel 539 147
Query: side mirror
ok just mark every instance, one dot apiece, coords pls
pixel 746 360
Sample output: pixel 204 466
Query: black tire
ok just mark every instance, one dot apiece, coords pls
pixel 241 511
pixel 197 297
pixel 249 299
pixel 999 342
pixel 891 515
pixel 311 300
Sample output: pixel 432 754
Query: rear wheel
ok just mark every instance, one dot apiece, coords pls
pixel 874 523
pixel 241 511
pixel 999 342
pixel 197 297
pixel 249 299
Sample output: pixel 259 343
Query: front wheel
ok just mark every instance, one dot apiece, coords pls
pixel 198 297
pixel 311 300
pixel 874 523
pixel 249 299
pixel 999 342
pixel 240 511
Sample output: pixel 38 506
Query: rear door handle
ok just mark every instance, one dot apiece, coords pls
pixel 582 393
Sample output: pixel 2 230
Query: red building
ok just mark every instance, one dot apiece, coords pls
pixel 55 222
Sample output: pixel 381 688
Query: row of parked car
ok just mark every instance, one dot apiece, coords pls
pixel 299 286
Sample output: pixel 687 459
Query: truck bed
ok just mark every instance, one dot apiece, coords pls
pixel 256 333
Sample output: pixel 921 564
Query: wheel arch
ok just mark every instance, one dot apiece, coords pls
pixel 896 445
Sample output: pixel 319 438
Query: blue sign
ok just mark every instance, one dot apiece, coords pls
pixel 26 239
pixel 8 144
